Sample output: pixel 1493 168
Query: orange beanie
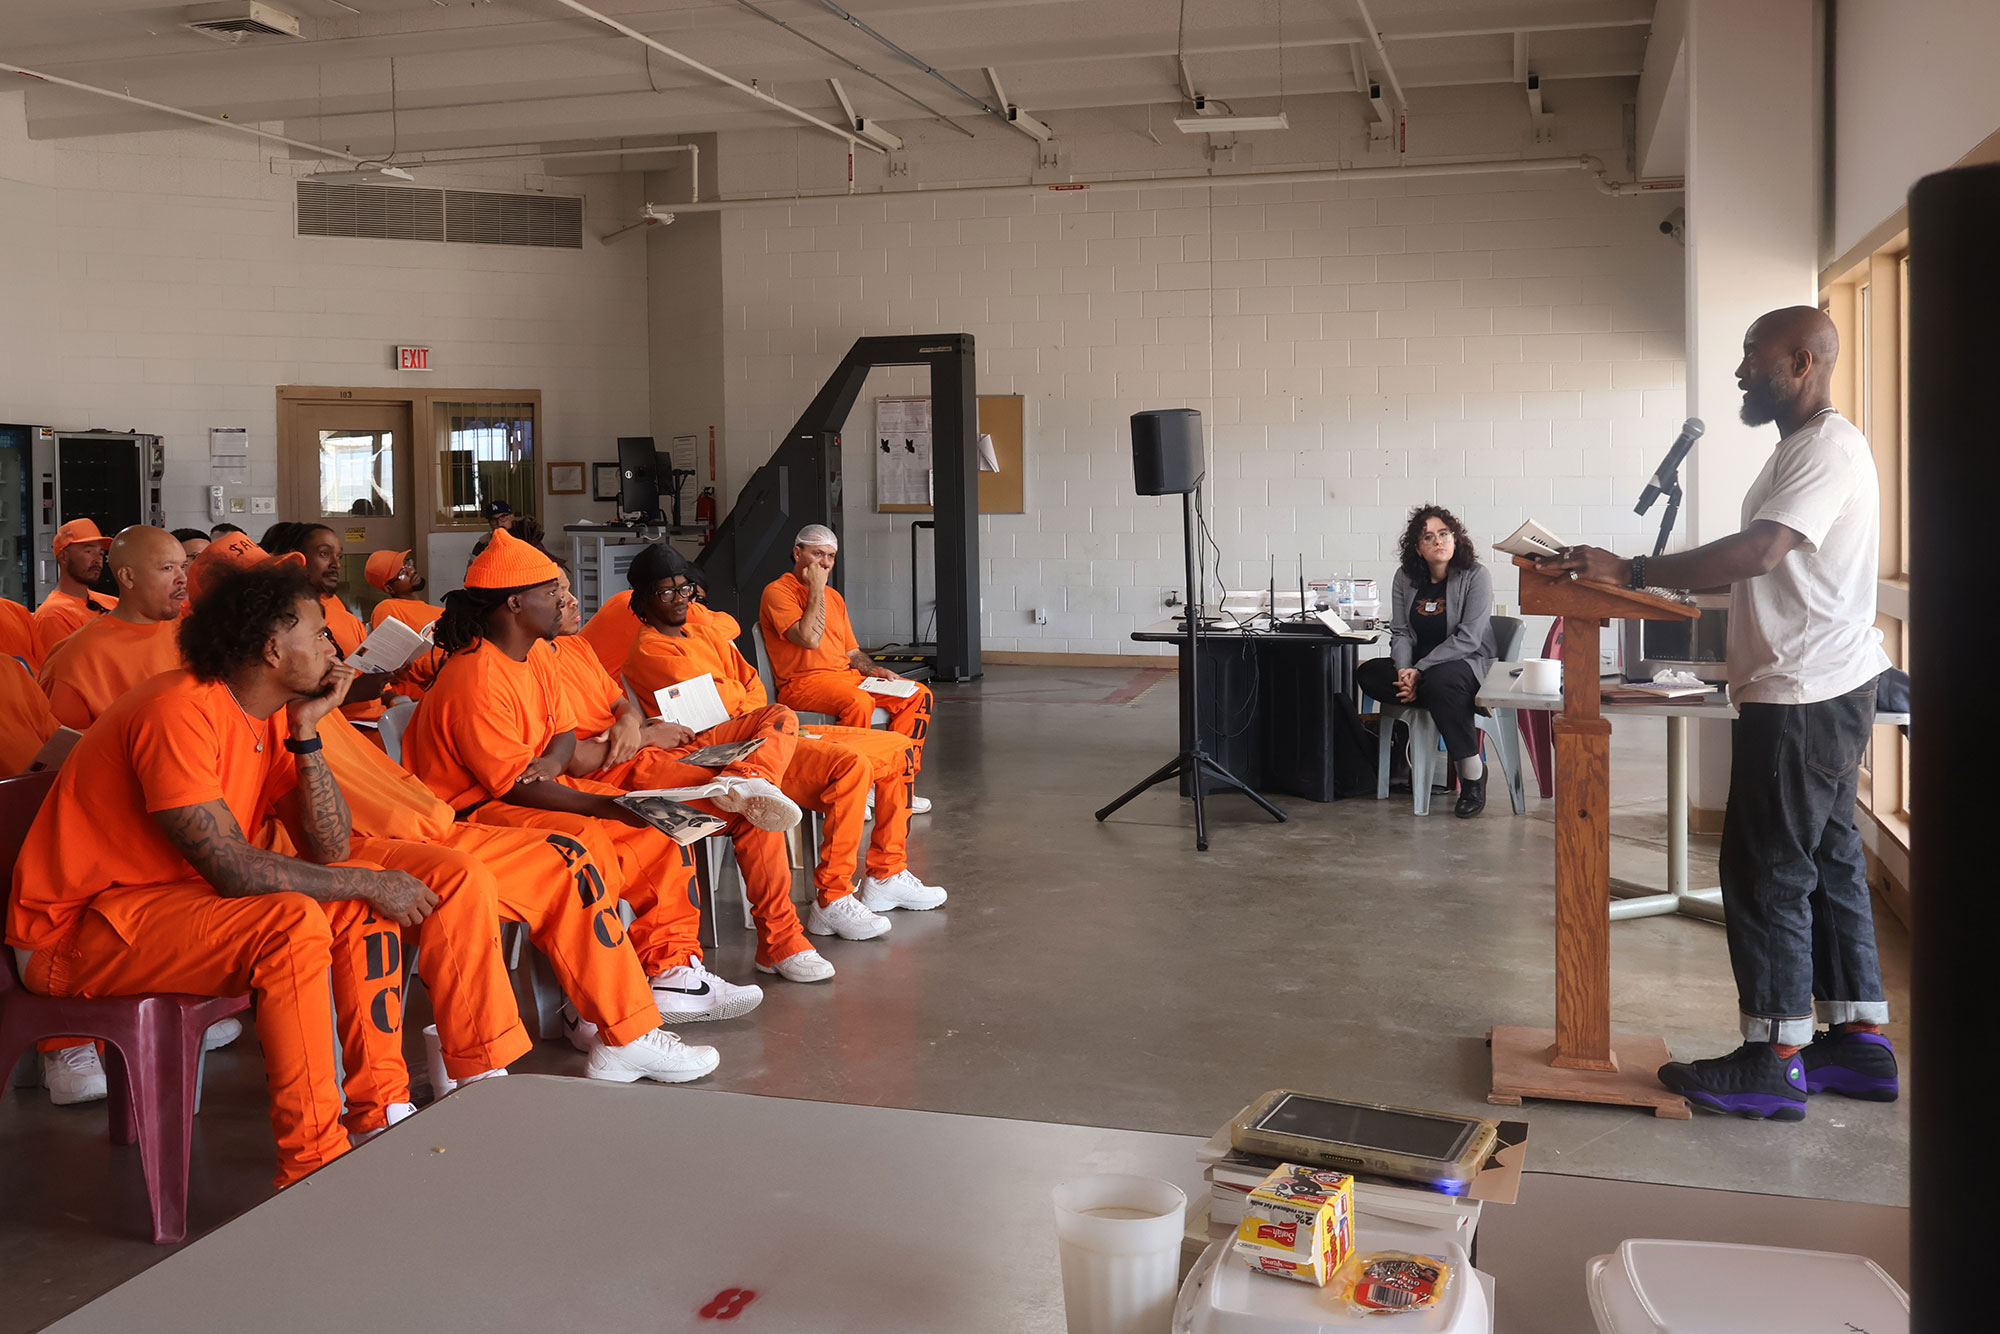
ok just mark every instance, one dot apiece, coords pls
pixel 508 562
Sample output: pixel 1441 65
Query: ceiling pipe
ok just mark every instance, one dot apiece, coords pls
pixel 1000 113
pixel 1625 189
pixel 692 150
pixel 1382 54
pixel 1299 177
pixel 853 140
pixel 199 118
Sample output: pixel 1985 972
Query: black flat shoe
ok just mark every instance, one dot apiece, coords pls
pixel 1471 797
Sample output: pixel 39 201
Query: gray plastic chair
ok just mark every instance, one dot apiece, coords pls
pixel 1501 727
pixel 392 724
pixel 806 716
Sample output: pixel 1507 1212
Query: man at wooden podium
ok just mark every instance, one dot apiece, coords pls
pixel 1803 658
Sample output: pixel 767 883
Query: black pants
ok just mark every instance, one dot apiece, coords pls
pixel 1446 690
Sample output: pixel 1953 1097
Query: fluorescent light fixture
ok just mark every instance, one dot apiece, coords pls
pixel 365 175
pixel 1225 124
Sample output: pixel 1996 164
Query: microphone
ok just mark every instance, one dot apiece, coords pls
pixel 1691 431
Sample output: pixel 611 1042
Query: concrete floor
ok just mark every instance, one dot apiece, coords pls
pixel 1109 975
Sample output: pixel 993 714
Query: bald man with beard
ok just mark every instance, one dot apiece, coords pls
pixel 1803 658
pixel 135 641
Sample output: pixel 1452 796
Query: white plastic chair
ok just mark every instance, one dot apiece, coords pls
pixel 391 726
pixel 1500 727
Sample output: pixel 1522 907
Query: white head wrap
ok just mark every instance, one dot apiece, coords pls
pixel 816 535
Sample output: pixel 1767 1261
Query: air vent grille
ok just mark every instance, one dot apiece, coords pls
pixel 245 18
pixel 414 213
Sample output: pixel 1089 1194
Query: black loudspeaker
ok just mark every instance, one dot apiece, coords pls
pixel 1166 451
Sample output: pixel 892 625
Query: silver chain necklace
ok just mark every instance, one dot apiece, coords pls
pixel 256 737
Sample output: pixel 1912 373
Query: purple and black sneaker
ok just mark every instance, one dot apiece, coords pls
pixel 1855 1065
pixel 1752 1081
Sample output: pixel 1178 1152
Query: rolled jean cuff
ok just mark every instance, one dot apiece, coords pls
pixel 1851 1012
pixel 1790 1032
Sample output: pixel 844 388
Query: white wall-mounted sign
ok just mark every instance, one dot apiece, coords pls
pixel 413 358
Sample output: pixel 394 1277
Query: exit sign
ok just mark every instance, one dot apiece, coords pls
pixel 413 358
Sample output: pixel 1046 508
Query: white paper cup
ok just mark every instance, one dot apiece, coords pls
pixel 1542 676
pixel 1119 1238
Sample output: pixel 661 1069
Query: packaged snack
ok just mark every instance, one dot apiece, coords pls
pixel 1298 1224
pixel 1389 1281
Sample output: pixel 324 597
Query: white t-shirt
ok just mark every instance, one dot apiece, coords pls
pixel 1806 631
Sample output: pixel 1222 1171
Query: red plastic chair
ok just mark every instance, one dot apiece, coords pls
pixel 152 1043
pixel 1536 726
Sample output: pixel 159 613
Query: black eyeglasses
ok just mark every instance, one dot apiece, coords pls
pixel 678 593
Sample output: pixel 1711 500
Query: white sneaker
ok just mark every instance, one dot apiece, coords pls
pixel 805 966
pixel 656 1055
pixel 73 1075
pixel 759 802
pixel 221 1033
pixel 582 1034
pixel 398 1111
pixel 846 918
pixel 690 994
pixel 901 890
pixel 920 805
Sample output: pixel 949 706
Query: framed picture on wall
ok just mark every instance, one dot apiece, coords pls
pixel 604 481
pixel 565 479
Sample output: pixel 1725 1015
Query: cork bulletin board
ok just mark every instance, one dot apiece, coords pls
pixel 1001 416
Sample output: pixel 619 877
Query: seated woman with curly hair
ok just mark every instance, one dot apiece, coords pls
pixel 1441 642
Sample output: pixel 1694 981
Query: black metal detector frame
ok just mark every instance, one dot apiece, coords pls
pixel 802 484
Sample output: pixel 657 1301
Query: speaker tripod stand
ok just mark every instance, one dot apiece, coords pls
pixel 1193 763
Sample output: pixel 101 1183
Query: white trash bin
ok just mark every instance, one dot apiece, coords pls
pixel 1706 1287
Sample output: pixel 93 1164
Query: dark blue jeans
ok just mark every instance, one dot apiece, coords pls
pixel 1794 888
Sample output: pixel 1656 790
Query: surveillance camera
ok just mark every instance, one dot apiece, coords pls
pixel 1675 225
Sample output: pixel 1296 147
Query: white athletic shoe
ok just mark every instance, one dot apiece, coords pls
pixel 846 918
pixel 582 1034
pixel 221 1033
pixel 901 890
pixel 920 805
pixel 759 802
pixel 690 994
pixel 656 1055
pixel 805 966
pixel 398 1111
pixel 73 1075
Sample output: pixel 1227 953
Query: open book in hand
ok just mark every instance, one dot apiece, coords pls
pixel 694 703
pixel 723 753
pixel 681 823
pixel 390 647
pixel 1532 540
pixel 895 687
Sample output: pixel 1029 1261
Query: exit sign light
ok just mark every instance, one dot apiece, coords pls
pixel 413 358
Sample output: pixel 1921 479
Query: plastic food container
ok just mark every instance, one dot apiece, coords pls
pixel 1222 1296
pixel 1703 1287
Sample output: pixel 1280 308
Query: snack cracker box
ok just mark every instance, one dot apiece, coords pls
pixel 1298 1224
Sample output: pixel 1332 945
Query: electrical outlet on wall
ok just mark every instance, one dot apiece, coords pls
pixel 263 504
pixel 1041 616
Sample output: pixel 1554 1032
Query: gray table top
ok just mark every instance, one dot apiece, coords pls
pixel 1502 690
pixel 539 1203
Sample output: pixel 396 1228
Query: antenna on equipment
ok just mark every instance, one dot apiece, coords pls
pixel 1304 610
pixel 1271 595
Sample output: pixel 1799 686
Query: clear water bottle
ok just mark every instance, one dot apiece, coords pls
pixel 1343 596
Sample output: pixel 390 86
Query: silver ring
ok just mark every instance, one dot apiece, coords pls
pixel 1574 575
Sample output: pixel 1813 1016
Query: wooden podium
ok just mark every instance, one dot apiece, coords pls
pixel 1580 1059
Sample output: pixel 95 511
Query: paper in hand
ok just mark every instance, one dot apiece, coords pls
pixel 895 687
pixel 723 753
pixel 682 824
pixel 390 647
pixel 694 704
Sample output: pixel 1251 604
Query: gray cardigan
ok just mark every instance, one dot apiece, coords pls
pixel 1468 612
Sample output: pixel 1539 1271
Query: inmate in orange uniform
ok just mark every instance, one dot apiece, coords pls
pixel 87 672
pixel 25 720
pixel 563 885
pixel 822 679
pixel 591 696
pixel 63 614
pixel 115 916
pixel 17 632
pixel 817 777
pixel 484 720
pixel 348 632
pixel 609 632
pixel 416 678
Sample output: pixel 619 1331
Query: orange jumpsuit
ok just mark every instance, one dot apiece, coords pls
pixel 591 696
pixel 126 914
pixel 483 721
pixel 348 632
pixel 25 720
pixel 17 632
pixel 61 614
pixel 87 672
pixel 822 680
pixel 416 678
pixel 563 885
pixel 831 771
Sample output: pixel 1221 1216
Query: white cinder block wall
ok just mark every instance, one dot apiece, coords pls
pixel 155 282
pixel 1507 345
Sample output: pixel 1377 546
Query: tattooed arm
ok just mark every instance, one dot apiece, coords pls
pixel 315 812
pixel 213 843
pixel 807 630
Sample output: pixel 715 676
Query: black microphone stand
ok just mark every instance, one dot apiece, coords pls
pixel 1670 487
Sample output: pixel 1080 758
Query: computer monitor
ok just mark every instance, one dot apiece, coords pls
pixel 638 485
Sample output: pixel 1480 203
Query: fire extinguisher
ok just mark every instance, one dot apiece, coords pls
pixel 704 506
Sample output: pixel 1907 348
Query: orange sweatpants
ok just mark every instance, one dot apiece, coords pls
pixel 188 938
pixel 760 853
pixel 840 694
pixel 831 773
pixel 554 882
pixel 479 1026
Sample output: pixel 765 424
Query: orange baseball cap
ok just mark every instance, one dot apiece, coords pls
pixel 508 562
pixel 78 530
pixel 231 551
pixel 383 566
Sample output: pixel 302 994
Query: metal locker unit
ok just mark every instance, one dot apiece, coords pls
pixel 48 477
